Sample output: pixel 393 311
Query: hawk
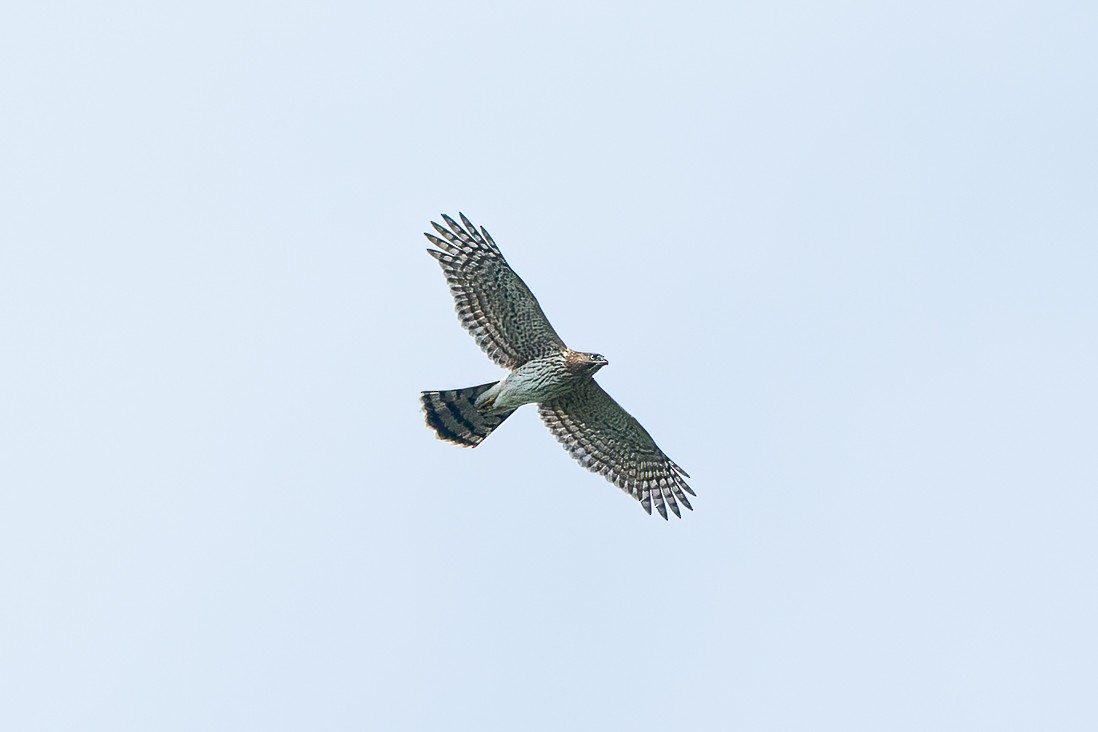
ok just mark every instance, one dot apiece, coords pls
pixel 504 317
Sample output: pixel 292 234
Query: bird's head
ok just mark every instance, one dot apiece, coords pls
pixel 578 362
pixel 595 361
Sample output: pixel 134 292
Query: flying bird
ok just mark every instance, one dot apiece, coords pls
pixel 504 317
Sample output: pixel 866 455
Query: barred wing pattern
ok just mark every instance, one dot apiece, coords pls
pixel 493 303
pixel 605 439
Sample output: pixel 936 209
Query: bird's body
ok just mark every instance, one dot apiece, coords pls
pixel 540 380
pixel 504 317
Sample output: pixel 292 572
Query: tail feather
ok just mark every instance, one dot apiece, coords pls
pixel 453 416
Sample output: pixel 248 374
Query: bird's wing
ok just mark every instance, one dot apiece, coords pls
pixel 605 439
pixel 494 305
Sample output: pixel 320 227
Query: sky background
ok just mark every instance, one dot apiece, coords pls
pixel 842 258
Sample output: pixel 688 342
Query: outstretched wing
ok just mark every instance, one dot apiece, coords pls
pixel 605 439
pixel 494 305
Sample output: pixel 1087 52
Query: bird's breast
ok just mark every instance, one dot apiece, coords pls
pixel 536 381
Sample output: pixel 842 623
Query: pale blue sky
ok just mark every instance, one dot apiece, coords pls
pixel 841 256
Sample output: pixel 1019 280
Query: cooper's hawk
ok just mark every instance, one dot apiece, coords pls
pixel 505 319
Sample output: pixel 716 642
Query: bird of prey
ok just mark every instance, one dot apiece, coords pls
pixel 501 313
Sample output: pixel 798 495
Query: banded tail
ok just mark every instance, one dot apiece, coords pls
pixel 453 416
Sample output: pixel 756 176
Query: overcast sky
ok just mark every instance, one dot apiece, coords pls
pixel 842 257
